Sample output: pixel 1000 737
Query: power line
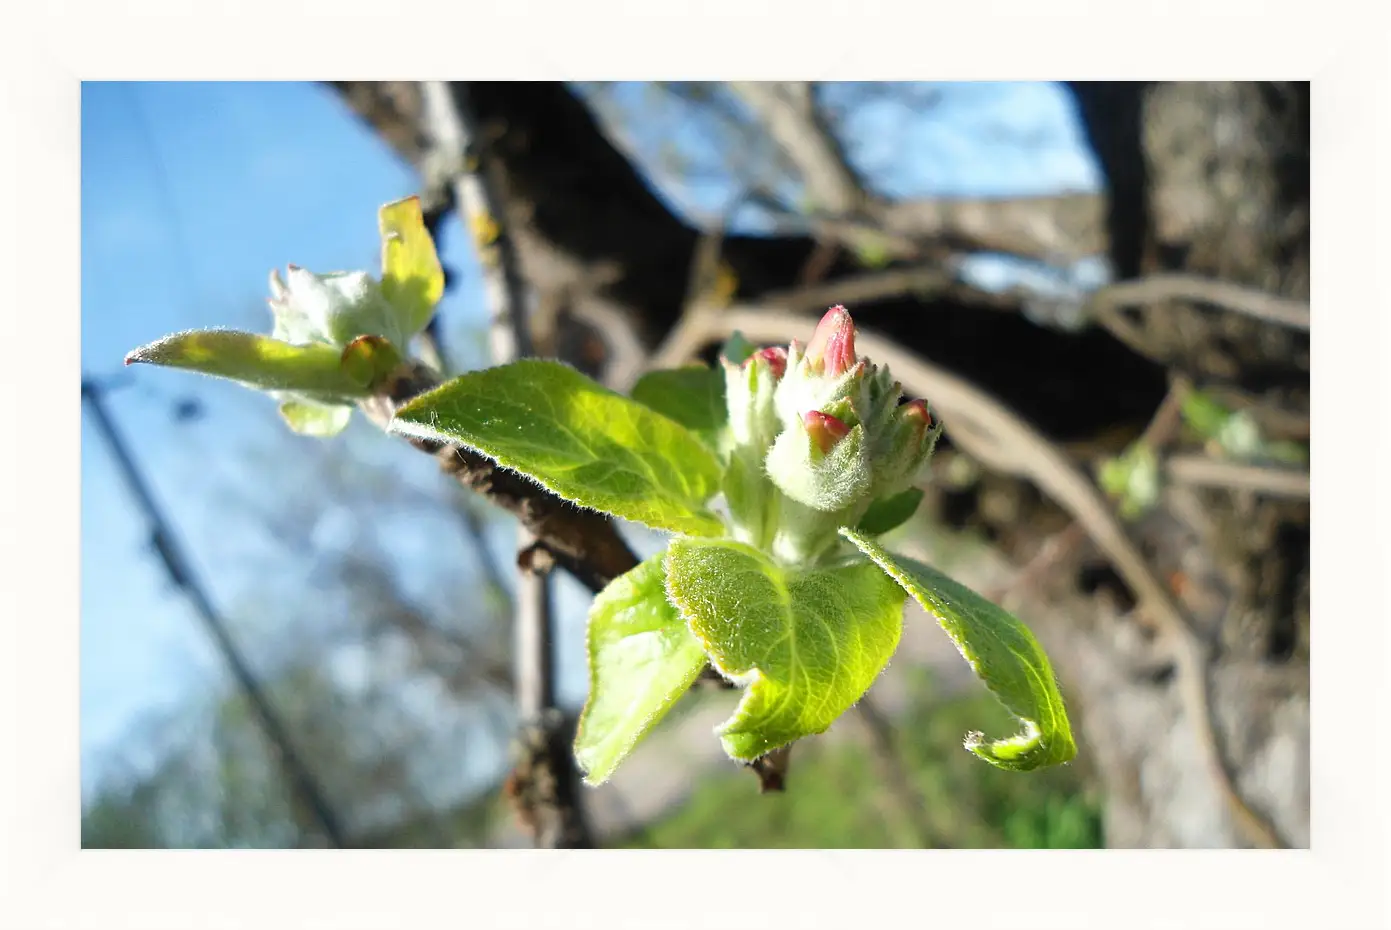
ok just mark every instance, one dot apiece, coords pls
pixel 175 563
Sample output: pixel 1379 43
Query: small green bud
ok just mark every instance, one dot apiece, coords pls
pixel 333 308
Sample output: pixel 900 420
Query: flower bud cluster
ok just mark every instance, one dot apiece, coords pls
pixel 817 434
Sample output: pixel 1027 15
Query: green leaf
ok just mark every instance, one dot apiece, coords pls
pixel 693 397
pixel 1203 413
pixel 317 420
pixel 412 279
pixel 888 513
pixel 806 644
pixel 1003 654
pixel 315 370
pixel 1133 479
pixel 736 348
pixel 578 439
pixel 642 658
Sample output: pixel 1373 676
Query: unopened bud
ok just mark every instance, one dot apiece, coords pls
pixel 776 357
pixel 832 346
pixel 915 411
pixel 824 429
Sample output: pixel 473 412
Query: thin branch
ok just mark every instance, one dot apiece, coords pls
pixel 553 811
pixel 1260 305
pixel 302 782
pixel 1215 473
pixel 455 141
pixel 583 542
pixel 789 113
pixel 1058 228
pixel 1163 426
pixel 991 433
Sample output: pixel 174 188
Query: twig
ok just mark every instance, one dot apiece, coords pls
pixel 454 139
pixel 171 554
pixel 988 431
pixel 1260 305
pixel 1215 473
pixel 1162 428
pixel 771 769
pixel 1058 228
pixel 550 803
pixel 583 542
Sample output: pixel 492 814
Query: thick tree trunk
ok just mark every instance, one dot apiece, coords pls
pixel 1210 179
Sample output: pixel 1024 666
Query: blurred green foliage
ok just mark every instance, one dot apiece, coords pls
pixel 837 799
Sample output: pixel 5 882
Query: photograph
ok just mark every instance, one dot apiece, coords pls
pixel 746 465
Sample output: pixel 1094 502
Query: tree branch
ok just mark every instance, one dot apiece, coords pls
pixel 1260 305
pixel 789 113
pixel 1214 473
pixel 1059 229
pixel 545 779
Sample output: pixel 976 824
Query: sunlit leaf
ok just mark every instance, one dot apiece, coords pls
pixel 891 512
pixel 261 362
pixel 317 420
pixel 642 658
pixel 806 645
pixel 1003 654
pixel 412 278
pixel 693 397
pixel 578 439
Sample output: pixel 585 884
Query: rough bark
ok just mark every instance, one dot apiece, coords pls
pixel 1210 178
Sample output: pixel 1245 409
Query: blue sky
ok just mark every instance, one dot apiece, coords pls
pixel 191 193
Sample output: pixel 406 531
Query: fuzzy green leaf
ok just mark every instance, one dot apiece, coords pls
pixel 693 397
pixel 1003 654
pixel 315 370
pixel 578 439
pixel 642 658
pixel 412 279
pixel 807 645
pixel 888 513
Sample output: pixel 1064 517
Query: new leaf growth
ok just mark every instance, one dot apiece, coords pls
pixel 774 474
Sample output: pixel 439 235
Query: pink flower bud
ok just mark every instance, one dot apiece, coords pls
pixel 833 343
pixel 776 357
pixel 824 429
pixel 916 411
